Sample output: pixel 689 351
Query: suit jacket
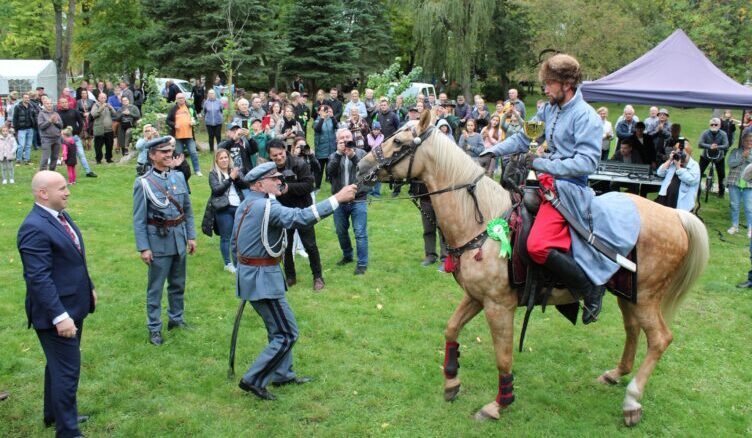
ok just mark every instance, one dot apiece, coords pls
pixel 57 279
pixel 267 282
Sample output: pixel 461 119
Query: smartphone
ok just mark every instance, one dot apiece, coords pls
pixel 244 124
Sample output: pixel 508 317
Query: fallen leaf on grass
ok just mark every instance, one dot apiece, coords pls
pixel 478 339
pixel 384 425
pixel 379 306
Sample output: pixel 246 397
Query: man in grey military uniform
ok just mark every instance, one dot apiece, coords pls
pixel 163 225
pixel 259 239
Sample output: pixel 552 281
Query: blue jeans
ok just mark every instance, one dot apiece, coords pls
pixel 81 155
pixel 744 196
pixel 190 144
pixel 359 213
pixel 376 190
pixel 25 138
pixel 225 220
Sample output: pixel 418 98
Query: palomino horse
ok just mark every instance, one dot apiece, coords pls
pixel 667 237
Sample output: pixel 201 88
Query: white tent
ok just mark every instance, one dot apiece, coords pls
pixel 26 75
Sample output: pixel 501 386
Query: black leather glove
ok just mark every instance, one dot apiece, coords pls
pixel 529 159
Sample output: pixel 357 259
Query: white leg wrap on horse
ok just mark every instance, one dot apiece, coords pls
pixel 631 400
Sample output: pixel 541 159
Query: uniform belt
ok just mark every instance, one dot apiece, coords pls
pixel 167 222
pixel 258 261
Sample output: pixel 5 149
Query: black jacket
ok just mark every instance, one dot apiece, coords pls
pixel 334 171
pixel 389 122
pixel 337 108
pixel 24 117
pixel 72 118
pixel 220 186
pixel 172 92
pixel 299 179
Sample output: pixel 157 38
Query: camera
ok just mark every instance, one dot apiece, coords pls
pixel 680 155
pixel 350 144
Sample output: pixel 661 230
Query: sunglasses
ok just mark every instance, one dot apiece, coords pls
pixel 714 124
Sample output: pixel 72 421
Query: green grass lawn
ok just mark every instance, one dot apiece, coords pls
pixel 373 343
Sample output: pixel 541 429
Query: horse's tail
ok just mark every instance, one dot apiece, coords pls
pixel 692 265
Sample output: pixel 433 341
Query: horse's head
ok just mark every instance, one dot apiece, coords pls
pixel 395 157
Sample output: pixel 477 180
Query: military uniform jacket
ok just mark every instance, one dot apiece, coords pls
pixel 256 283
pixel 145 193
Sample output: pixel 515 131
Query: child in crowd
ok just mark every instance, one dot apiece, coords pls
pixel 373 139
pixel 69 153
pixel 8 147
pixel 261 137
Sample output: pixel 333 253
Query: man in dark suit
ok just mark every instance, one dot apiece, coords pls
pixel 59 295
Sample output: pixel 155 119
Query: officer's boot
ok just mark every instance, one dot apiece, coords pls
pixel 566 269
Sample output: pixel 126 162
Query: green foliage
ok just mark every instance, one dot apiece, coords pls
pixel 507 46
pixel 393 81
pixel 319 52
pixel 448 33
pixel 368 29
pixel 27 32
pixel 115 39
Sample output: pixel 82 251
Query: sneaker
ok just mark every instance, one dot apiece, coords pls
pixel 360 270
pixel 302 253
pixel 199 173
pixel 91 175
pixel 5 181
pixel 343 261
pixel 441 268
pixel 230 268
pixel 733 230
pixel 749 230
pixel 12 181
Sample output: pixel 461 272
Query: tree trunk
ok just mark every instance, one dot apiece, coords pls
pixel 63 41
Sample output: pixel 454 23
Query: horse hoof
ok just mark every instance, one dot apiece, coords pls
pixel 488 412
pixel 606 379
pixel 450 394
pixel 632 417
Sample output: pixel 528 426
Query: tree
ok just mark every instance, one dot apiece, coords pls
pixel 318 49
pixel 114 37
pixel 242 41
pixel 369 31
pixel 180 43
pixel 63 39
pixel 448 33
pixel 507 46
pixel 26 32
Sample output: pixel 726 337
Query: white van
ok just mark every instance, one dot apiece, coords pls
pixel 419 88
pixel 184 86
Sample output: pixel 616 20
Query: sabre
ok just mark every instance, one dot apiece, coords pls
pixel 234 339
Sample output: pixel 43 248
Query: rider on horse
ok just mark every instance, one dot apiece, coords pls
pixel 573 133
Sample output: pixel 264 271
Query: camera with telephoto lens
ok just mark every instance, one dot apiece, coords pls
pixel 680 155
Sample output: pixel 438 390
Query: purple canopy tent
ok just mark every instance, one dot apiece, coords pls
pixel 674 73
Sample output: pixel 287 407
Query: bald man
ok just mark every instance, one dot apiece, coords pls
pixel 59 295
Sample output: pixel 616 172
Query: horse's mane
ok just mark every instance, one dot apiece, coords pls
pixel 459 168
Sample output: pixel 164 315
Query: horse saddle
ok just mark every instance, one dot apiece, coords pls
pixel 533 282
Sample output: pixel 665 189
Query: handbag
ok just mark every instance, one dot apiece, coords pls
pixel 220 202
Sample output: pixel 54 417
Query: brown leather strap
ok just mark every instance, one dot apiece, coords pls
pixel 167 223
pixel 258 261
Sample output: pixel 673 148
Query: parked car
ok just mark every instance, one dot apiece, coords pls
pixel 412 92
pixel 184 86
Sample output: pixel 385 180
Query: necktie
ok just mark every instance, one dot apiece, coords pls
pixel 69 230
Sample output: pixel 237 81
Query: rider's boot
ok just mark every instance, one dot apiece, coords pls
pixel 565 268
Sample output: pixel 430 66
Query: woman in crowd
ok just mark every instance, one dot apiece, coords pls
pixel 608 133
pixel 226 194
pixel 399 108
pixel 491 135
pixel 358 127
pixel 325 140
pixel 740 190
pixel 288 128
pixel 681 179
pixel 127 116
pixel 272 119
pixel 213 117
pixel 83 105
pixel 318 103
pixel 471 142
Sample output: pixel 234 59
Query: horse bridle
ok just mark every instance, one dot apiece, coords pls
pixel 406 150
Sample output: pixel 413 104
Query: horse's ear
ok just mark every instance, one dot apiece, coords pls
pixel 425 121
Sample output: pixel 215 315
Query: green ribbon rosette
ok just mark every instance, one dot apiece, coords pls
pixel 498 229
